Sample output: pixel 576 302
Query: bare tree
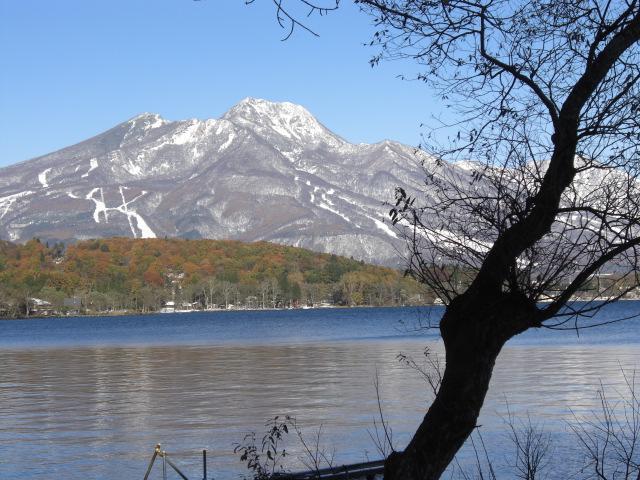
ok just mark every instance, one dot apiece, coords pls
pixel 547 99
pixel 228 290
pixel 610 438
pixel 548 91
pixel 533 448
pixel 265 285
pixel 289 14
pixel 209 288
pixel 274 290
pixel 382 434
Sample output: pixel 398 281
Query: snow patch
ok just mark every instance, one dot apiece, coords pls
pixel 333 210
pixel 468 165
pixel 324 197
pixel 101 207
pixel 93 164
pixel 8 201
pixel 149 121
pixel 187 135
pixel 42 178
pixel 454 241
pixel 157 121
pixel 143 123
pixel 293 155
pixel 134 169
pixel 226 144
pixel 312 194
pixel 144 228
pixel 384 227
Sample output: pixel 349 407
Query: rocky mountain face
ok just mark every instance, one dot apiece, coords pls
pixel 264 171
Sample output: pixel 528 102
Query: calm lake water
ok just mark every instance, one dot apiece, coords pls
pixel 88 398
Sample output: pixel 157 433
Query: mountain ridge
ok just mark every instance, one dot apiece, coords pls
pixel 262 171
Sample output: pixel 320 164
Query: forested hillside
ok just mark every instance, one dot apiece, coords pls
pixel 142 275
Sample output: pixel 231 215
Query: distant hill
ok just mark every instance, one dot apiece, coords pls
pixel 144 274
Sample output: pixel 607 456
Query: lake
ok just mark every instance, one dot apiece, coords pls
pixel 89 397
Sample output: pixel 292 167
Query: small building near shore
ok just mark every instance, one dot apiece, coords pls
pixel 40 307
pixel 72 305
pixel 169 307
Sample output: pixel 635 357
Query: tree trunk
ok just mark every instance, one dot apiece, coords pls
pixel 473 338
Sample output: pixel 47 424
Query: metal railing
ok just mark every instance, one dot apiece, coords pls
pixel 365 470
pixel 158 452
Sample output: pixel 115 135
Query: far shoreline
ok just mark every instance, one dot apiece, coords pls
pixel 136 314
pixel 220 310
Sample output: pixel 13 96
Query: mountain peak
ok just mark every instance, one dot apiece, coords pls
pixel 263 104
pixel 292 121
pixel 147 116
pixel 250 107
pixel 147 121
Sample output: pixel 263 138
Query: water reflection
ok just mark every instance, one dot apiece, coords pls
pixel 98 412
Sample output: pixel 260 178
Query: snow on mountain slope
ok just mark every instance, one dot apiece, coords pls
pixel 264 171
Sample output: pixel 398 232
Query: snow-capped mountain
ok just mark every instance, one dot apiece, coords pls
pixel 264 171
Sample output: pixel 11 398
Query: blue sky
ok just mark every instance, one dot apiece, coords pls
pixel 74 68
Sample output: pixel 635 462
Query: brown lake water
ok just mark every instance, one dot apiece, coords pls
pixel 88 398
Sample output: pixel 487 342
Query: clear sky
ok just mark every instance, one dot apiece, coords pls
pixel 70 69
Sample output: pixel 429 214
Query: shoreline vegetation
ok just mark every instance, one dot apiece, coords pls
pixel 125 313
pixel 123 276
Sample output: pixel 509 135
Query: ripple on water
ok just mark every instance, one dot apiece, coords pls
pixel 96 410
